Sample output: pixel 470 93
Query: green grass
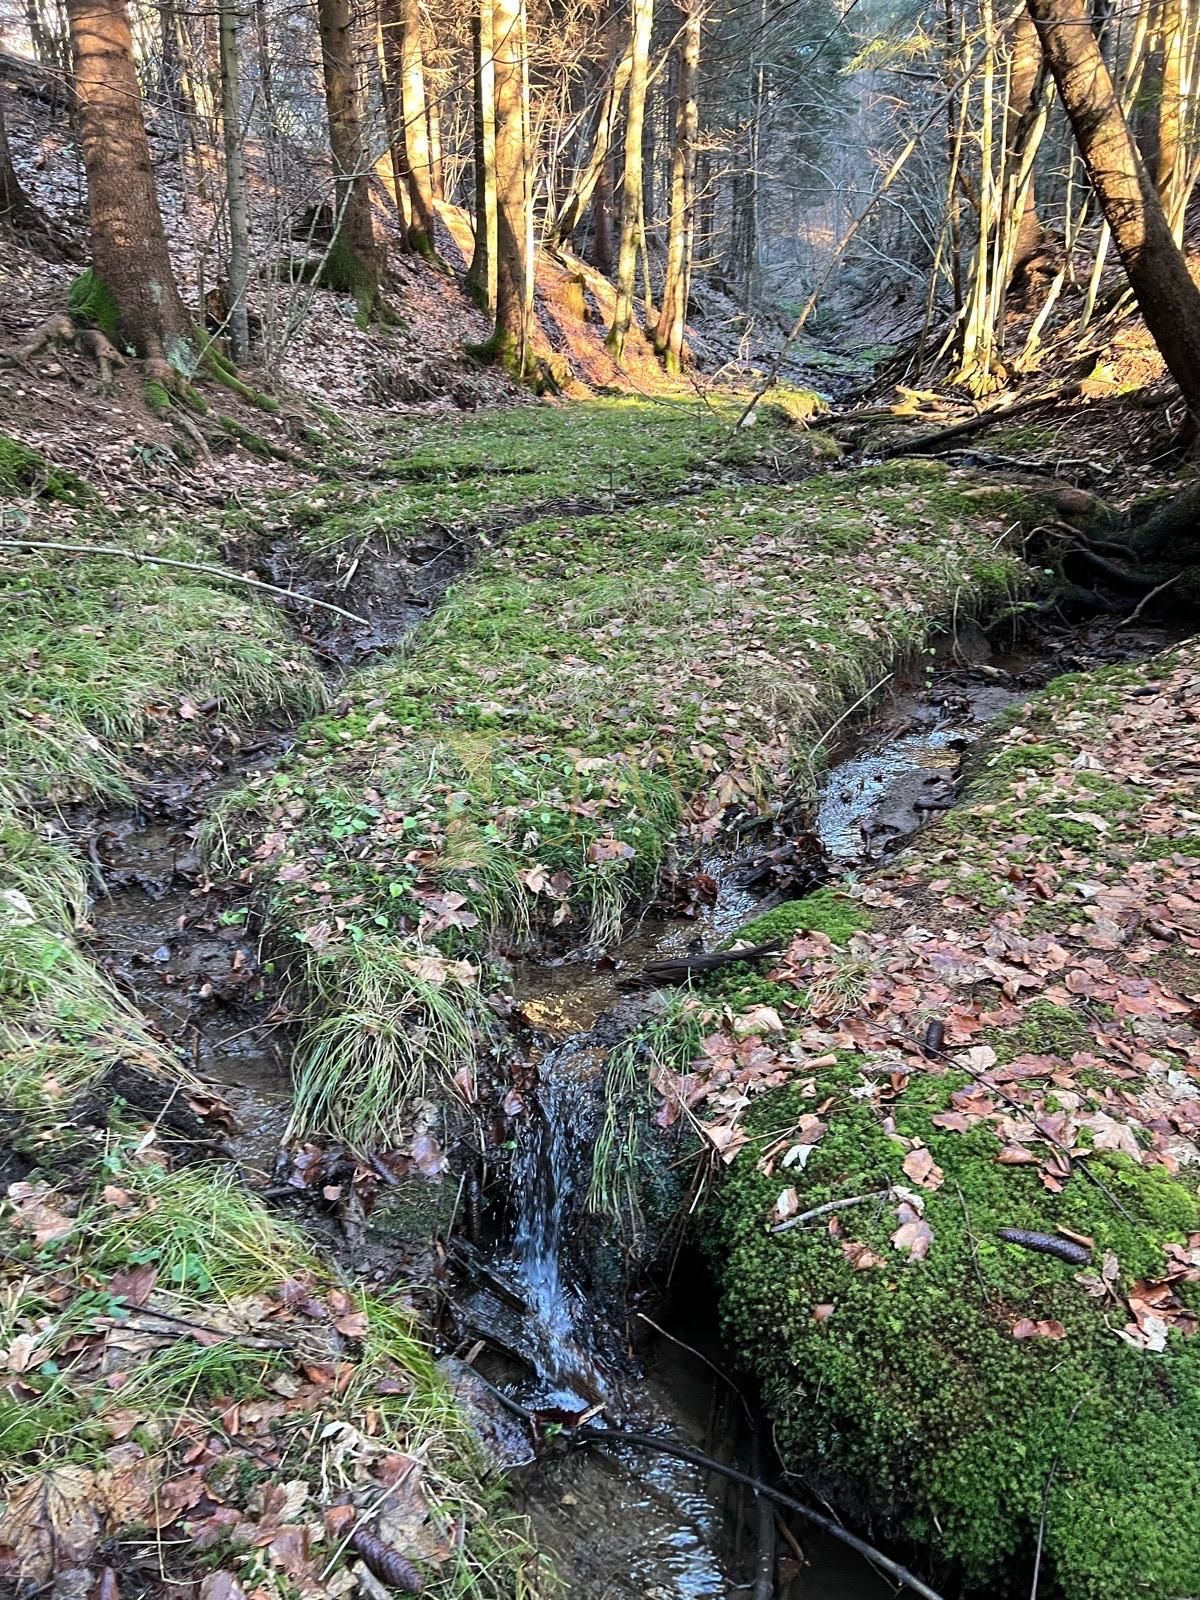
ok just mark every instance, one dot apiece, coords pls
pixel 62 1024
pixel 515 461
pixel 102 660
pixel 530 755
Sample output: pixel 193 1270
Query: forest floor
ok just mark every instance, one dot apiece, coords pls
pixel 571 644
pixel 192 1384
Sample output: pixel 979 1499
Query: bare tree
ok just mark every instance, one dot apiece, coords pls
pixel 672 318
pixel 354 263
pixel 481 276
pixel 235 182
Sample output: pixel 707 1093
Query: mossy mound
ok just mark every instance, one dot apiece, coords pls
pixel 24 471
pixel 1009 1041
pixel 901 1389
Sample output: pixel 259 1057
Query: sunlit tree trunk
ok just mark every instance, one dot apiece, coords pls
pixel 631 197
pixel 437 167
pixel 510 339
pixel 129 247
pixel 416 132
pixel 584 187
pixel 235 183
pixel 1169 175
pixel 672 318
pixel 481 276
pixel 354 263
pixel 390 27
pixel 1167 298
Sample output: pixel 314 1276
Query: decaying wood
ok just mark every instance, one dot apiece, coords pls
pixel 924 443
pixel 679 969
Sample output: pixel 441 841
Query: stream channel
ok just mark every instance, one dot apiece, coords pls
pixel 521 1301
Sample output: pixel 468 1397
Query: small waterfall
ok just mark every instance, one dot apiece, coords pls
pixel 550 1173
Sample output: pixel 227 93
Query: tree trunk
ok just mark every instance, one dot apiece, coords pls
pixel 585 185
pixel 631 197
pixel 1168 174
pixel 510 341
pixel 390 26
pixel 416 133
pixel 1024 75
pixel 235 184
pixel 354 262
pixel 481 276
pixel 17 210
pixel 602 212
pixel 669 334
pixel 1167 298
pixel 437 166
pixel 129 247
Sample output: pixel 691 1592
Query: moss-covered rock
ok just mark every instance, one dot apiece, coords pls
pixel 24 470
pixel 901 1389
pixel 1009 1042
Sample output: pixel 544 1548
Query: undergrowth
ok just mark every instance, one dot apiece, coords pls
pixel 590 685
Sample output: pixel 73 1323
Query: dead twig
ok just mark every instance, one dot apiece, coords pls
pixel 830 1206
pixel 139 558
pixel 667 1446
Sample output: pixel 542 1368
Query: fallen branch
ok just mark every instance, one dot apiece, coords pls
pixel 1146 599
pixel 831 1206
pixel 681 1452
pixel 976 424
pixel 204 567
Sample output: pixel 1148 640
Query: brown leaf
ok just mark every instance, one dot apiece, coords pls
pixel 221 1586
pixel 1028 1329
pixel 133 1284
pixel 920 1166
pixel 860 1256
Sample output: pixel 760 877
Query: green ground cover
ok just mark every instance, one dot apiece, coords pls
pixel 938 1383
pixel 531 754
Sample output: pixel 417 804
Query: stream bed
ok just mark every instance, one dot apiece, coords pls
pixel 526 1311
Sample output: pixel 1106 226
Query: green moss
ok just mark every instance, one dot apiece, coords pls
pixel 24 471
pixel 915 1389
pixel 838 916
pixel 91 301
pixel 156 397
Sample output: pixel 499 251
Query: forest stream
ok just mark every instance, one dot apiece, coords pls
pixel 525 1306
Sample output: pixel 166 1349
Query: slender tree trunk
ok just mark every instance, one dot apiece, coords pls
pixel 481 276
pixel 437 166
pixel 593 173
pixel 129 247
pixel 235 183
pixel 1167 298
pixel 354 263
pixel 416 132
pixel 510 341
pixel 1168 174
pixel 631 197
pixel 672 318
pixel 390 27
pixel 1024 76
pixel 602 214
